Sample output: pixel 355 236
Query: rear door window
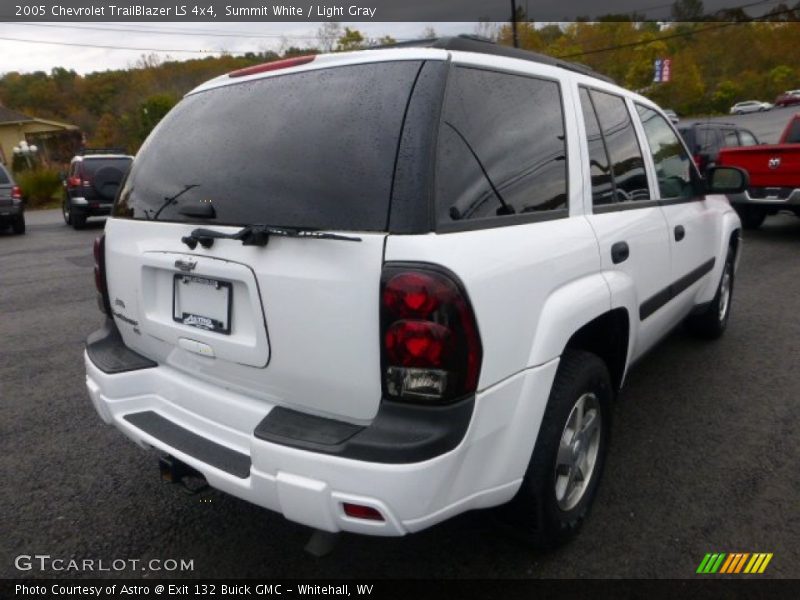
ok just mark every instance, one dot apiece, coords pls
pixel 313 150
pixel 599 164
pixel 627 164
pixel 502 148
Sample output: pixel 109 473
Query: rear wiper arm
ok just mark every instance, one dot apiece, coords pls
pixel 258 235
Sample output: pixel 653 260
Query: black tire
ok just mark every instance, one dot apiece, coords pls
pixel 66 212
pixel 536 515
pixel 712 322
pixel 78 221
pixel 752 217
pixel 18 225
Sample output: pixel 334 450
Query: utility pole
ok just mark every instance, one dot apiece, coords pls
pixel 514 23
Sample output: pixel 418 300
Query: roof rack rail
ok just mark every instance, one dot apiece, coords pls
pixel 90 151
pixel 482 45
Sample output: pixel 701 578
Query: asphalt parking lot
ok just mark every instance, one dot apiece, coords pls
pixel 767 126
pixel 704 457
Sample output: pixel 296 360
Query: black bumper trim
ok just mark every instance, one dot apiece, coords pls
pixel 110 354
pixel 190 443
pixel 400 433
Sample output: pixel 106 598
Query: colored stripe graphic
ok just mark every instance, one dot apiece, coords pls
pixel 720 562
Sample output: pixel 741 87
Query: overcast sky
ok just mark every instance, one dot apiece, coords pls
pixel 196 38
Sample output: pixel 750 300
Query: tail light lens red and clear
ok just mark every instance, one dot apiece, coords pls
pixel 16 193
pixel 99 250
pixel 74 181
pixel 431 349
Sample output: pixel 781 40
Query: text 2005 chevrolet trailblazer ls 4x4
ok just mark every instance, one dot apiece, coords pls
pixel 410 286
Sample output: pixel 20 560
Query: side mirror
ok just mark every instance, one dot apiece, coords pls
pixel 726 180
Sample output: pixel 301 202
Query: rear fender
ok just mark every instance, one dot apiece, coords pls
pixel 565 311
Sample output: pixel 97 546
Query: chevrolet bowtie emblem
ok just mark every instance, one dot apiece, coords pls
pixel 185 265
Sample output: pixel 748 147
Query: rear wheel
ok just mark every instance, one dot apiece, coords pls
pixel 752 217
pixel 65 211
pixel 78 221
pixel 18 225
pixel 564 472
pixel 713 321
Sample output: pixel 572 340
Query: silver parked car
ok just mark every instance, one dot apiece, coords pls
pixel 749 106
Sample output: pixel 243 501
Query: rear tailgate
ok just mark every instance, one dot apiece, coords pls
pixel 294 322
pixel 303 319
pixel 768 166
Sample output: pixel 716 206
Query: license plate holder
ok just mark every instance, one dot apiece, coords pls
pixel 202 302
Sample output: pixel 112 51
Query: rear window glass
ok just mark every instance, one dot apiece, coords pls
pixel 312 150
pixel 793 136
pixel 90 166
pixel 501 148
pixel 4 178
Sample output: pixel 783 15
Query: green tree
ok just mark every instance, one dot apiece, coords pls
pixel 152 110
pixel 351 39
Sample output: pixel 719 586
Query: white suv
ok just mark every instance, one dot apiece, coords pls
pixel 373 290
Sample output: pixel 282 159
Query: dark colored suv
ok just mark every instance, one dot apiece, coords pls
pixel 92 183
pixel 705 139
pixel 12 210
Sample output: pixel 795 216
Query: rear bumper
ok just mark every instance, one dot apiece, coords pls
pixel 90 207
pixel 788 199
pixel 11 210
pixel 214 431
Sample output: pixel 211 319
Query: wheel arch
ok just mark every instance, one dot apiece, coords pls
pixel 607 337
pixel 580 315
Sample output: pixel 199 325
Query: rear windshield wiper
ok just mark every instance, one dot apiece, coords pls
pixel 258 235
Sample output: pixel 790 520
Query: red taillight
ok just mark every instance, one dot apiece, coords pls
pixel 358 511
pixel 431 350
pixel 100 283
pixel 74 181
pixel 16 193
pixel 273 66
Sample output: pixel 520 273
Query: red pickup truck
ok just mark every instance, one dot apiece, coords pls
pixel 774 176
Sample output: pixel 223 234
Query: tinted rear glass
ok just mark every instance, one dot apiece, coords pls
pixel 501 140
pixel 793 136
pixel 4 179
pixel 313 150
pixel 90 166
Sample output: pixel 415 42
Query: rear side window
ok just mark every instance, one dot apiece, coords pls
pixel 672 163
pixel 627 164
pixel 4 178
pixel 793 135
pixel 730 138
pixel 502 149
pixel 746 138
pixel 312 150
pixel 707 140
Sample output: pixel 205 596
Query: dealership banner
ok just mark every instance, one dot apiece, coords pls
pixel 380 589
pixel 377 10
